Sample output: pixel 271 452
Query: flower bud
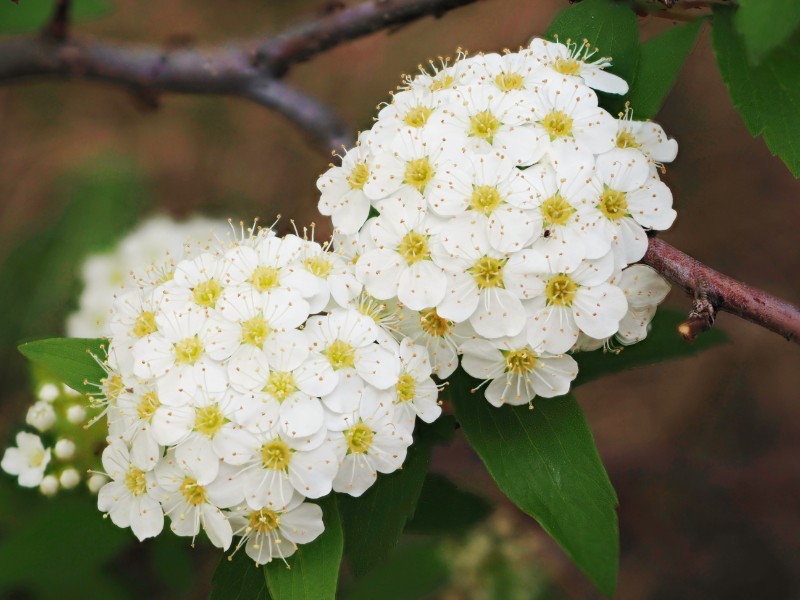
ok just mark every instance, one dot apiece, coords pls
pixel 48 392
pixel 41 416
pixel 49 485
pixel 76 414
pixel 65 449
pixel 95 482
pixel 70 478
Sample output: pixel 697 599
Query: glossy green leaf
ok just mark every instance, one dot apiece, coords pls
pixel 766 24
pixel 374 522
pixel 661 60
pixel 31 15
pixel 69 359
pixel 238 578
pixel 444 508
pixel 768 95
pixel 313 572
pixel 662 343
pixel 546 462
pixel 414 570
pixel 609 26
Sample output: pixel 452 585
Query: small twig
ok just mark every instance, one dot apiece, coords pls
pixel 715 292
pixel 58 27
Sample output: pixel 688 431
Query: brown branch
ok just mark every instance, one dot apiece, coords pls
pixel 714 292
pixel 246 69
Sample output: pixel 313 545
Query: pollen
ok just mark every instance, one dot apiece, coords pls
pixel 485 199
pixel 444 82
pixel 418 173
pixel 136 481
pixel 417 117
pixel 567 66
pixel 341 355
pixel 145 324
pixel 488 272
pixel 147 405
pixel 406 388
pixel 625 139
pixel 208 420
pixel 358 176
pixel 509 81
pixel 520 362
pixel 613 204
pixel 276 455
pixel 192 492
pixel 264 521
pixel 318 265
pixel 433 324
pixel 414 247
pixel 255 331
pixel 556 211
pixel 280 385
pixel 359 439
pixel 560 290
pixel 207 293
pixel 558 124
pixel 189 350
pixel 265 278
pixel 484 125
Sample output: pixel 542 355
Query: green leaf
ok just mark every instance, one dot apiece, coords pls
pixel 768 95
pixel 662 343
pixel 546 462
pixel 69 359
pixel 766 24
pixel 414 570
pixel 443 508
pixel 314 568
pixel 30 15
pixel 374 522
pixel 238 578
pixel 662 58
pixel 609 26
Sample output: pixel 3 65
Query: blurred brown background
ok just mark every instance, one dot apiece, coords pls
pixel 703 452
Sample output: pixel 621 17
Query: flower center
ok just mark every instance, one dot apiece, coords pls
pixel 208 420
pixel 37 458
pixel 265 278
pixel 556 211
pixel 558 124
pixel 484 125
pixel 207 293
pixel 264 521
pixel 359 439
pixel 488 272
pixel 189 350
pixel 485 198
pixel 112 387
pixel 406 388
pixel 148 405
pixel 560 290
pixel 358 176
pixel 417 117
pixel 276 455
pixel 613 204
pixel 433 324
pixel 341 355
pixel 255 331
pixel 414 247
pixel 136 481
pixel 145 324
pixel 193 493
pixel 567 66
pixel 509 81
pixel 418 173
pixel 318 265
pixel 443 83
pixel 625 139
pixel 520 362
pixel 280 385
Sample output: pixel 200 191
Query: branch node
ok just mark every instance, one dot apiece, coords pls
pixel 702 317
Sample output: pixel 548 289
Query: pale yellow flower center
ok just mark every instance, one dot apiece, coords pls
pixel 484 125
pixel 135 481
pixel 255 331
pixel 318 265
pixel 485 199
pixel 418 173
pixel 417 117
pixel 613 204
pixel 406 388
pixel 359 439
pixel 443 83
pixel 189 350
pixel 358 176
pixel 208 420
pixel 509 81
pixel 433 324
pixel 556 211
pixel 567 66
pixel 488 272
pixel 520 362
pixel 207 293
pixel 112 387
pixel 265 278
pixel 341 355
pixel 192 492
pixel 148 405
pixel 276 455
pixel 625 139
pixel 264 521
pixel 280 385
pixel 145 324
pixel 558 124
pixel 560 290
pixel 414 247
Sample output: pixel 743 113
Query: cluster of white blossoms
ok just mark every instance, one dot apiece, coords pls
pixel 59 451
pixel 503 209
pixel 148 250
pixel 246 380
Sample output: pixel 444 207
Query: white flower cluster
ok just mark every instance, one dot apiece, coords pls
pixel 147 251
pixel 57 455
pixel 496 195
pixel 246 380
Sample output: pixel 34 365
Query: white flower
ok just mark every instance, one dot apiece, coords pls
pixel 28 460
pixel 517 372
pixel 627 201
pixel 573 60
pixel 565 298
pixel 192 502
pixel 275 531
pixel 645 290
pixel 129 497
pixel 409 110
pixel 401 265
pixel 41 415
pixel 416 393
pixel 440 336
pixel 372 444
pixel 342 189
pixel 446 78
pixel 511 71
pixel 649 138
pixel 333 276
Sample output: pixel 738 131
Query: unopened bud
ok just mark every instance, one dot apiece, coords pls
pixel 65 449
pixel 70 478
pixel 49 485
pixel 41 416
